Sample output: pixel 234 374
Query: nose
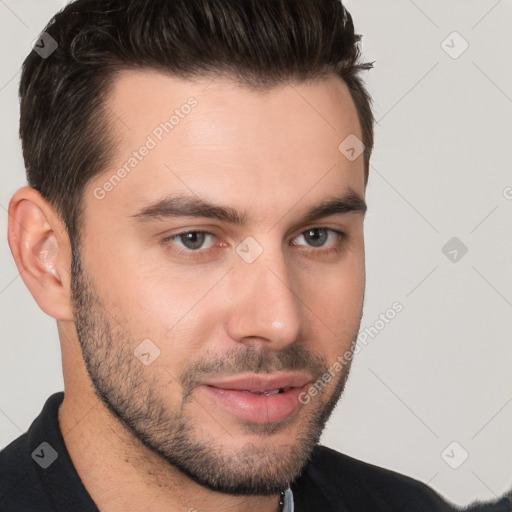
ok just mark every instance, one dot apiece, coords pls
pixel 266 309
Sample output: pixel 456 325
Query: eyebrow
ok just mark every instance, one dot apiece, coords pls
pixel 193 206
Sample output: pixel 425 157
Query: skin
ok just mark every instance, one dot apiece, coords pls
pixel 273 155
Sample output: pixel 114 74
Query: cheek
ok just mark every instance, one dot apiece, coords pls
pixel 335 297
pixel 173 309
pixel 144 287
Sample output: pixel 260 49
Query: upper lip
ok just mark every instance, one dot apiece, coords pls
pixel 261 382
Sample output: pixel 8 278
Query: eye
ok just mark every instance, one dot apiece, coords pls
pixel 317 237
pixel 190 240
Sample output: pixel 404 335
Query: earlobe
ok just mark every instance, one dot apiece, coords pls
pixel 40 247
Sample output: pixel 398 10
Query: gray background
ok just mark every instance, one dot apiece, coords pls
pixel 439 372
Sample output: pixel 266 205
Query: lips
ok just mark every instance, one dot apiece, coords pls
pixel 257 398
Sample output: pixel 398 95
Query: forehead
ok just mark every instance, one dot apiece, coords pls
pixel 151 96
pixel 217 138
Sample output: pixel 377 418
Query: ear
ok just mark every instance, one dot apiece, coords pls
pixel 40 246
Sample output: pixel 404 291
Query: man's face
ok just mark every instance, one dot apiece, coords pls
pixel 201 332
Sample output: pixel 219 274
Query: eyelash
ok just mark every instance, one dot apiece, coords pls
pixel 199 253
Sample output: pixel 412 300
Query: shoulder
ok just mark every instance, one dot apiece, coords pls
pixel 20 487
pixel 348 484
pixel 503 504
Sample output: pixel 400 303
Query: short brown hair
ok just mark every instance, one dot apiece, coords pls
pixel 260 43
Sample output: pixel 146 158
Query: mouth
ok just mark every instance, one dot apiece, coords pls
pixel 267 393
pixel 258 398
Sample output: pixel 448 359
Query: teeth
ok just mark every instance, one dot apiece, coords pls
pixel 268 393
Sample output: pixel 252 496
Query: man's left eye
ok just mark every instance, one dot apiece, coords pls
pixel 317 237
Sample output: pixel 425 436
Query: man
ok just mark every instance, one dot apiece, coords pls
pixel 503 504
pixel 194 223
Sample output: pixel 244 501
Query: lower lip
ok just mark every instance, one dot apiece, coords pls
pixel 256 408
